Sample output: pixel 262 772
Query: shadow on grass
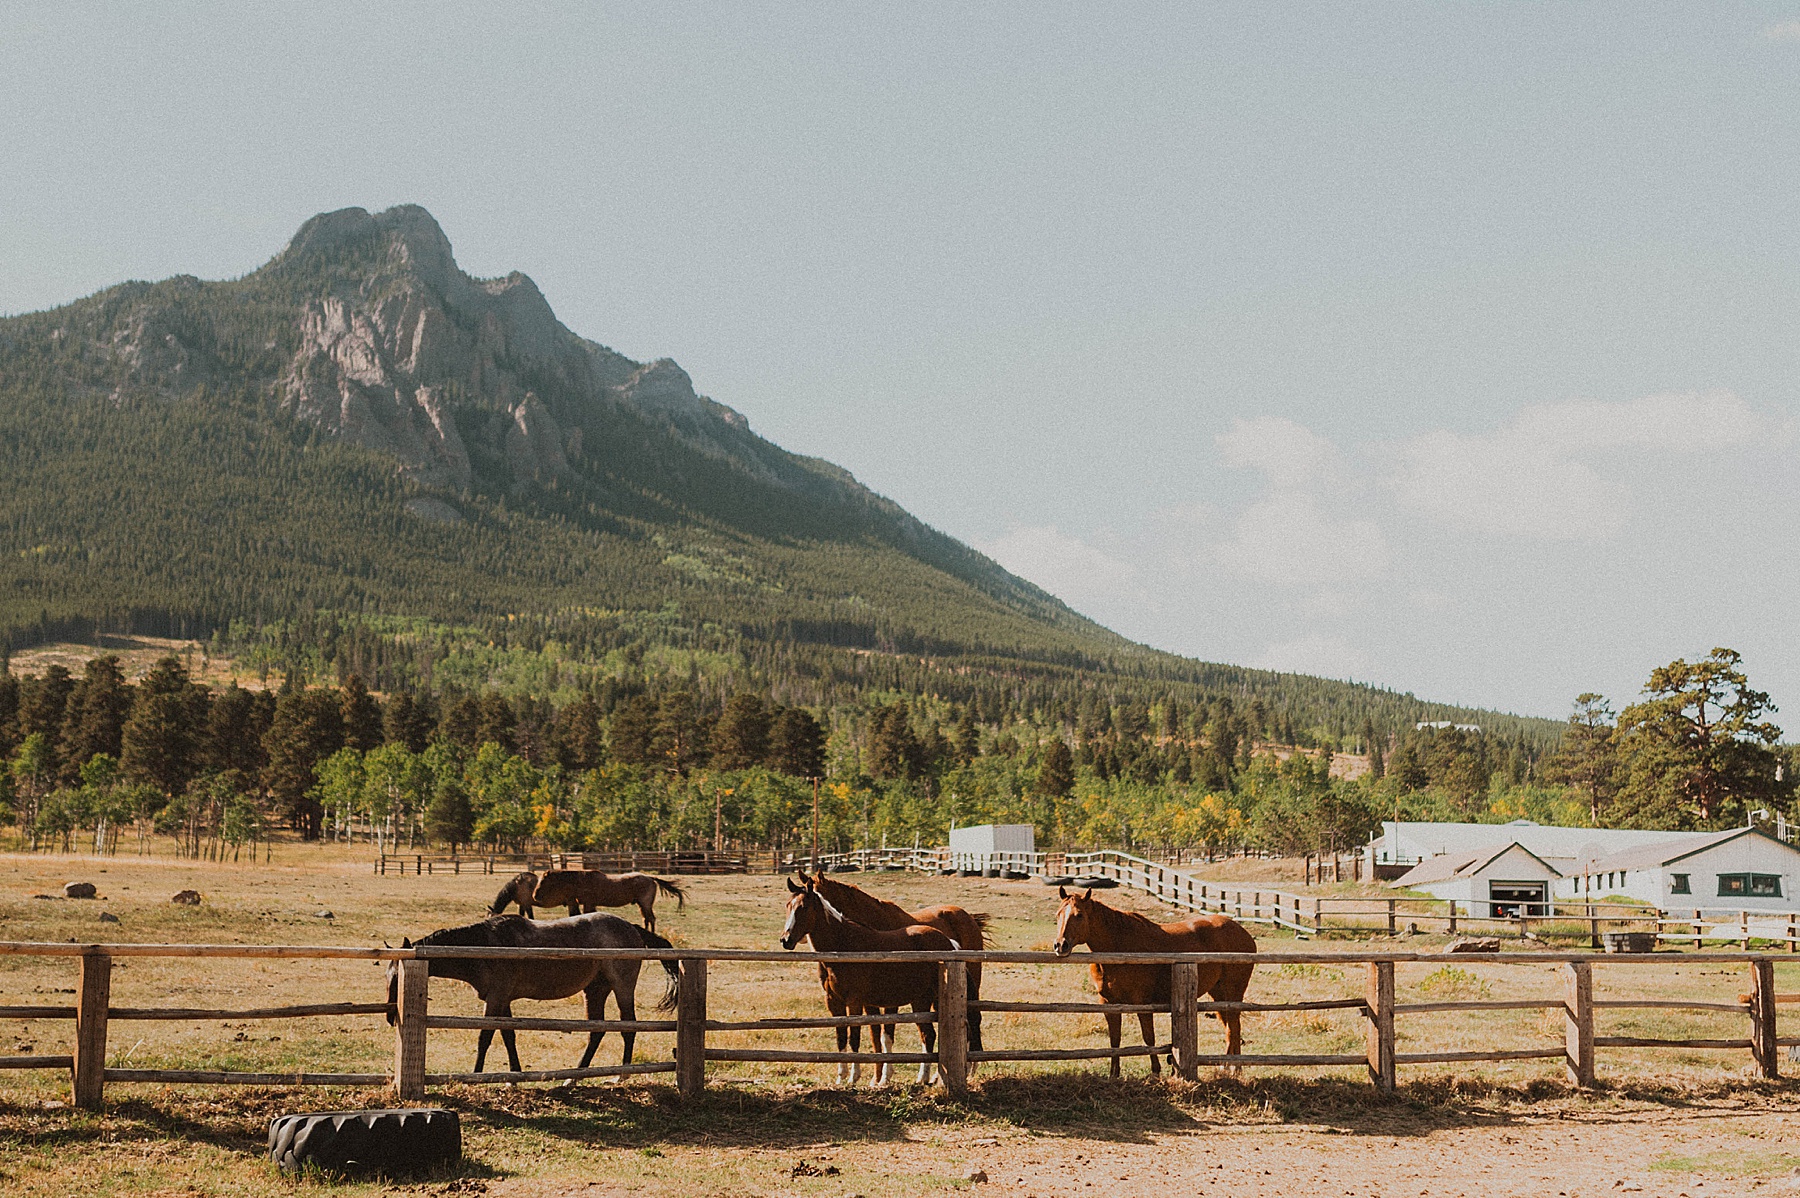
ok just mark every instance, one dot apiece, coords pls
pixel 1072 1105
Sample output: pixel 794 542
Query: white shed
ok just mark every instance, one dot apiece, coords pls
pixel 1495 882
pixel 987 839
pixel 1740 869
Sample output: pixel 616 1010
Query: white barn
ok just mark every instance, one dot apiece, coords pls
pixel 1405 843
pixel 1740 869
pixel 988 839
pixel 1494 882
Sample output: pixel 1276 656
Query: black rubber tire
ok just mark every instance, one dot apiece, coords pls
pixel 1061 880
pixel 1095 883
pixel 391 1142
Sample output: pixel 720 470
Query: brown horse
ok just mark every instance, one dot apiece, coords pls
pixel 867 988
pixel 585 890
pixel 1083 919
pixel 966 928
pixel 501 982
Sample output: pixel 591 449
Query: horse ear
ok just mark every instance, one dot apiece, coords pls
pixel 1089 896
pixel 406 942
pixel 793 888
pixel 1061 893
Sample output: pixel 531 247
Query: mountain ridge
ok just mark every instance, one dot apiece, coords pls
pixel 360 426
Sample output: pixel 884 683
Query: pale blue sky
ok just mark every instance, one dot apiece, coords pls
pixel 1450 347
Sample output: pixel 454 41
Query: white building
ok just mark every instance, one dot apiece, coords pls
pixel 1494 882
pixel 1405 843
pixel 1740 869
pixel 989 839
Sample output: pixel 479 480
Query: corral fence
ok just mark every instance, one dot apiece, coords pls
pixel 690 1052
pixel 687 861
pixel 1311 915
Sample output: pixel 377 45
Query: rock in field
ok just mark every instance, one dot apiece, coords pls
pixel 108 917
pixel 1484 945
pixel 187 898
pixel 83 890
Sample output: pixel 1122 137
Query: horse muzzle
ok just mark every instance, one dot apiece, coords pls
pixel 1062 948
pixel 788 942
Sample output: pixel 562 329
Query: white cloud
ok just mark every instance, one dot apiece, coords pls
pixel 1290 537
pixel 1288 454
pixel 1067 567
pixel 1536 477
pixel 1325 656
pixel 1787 31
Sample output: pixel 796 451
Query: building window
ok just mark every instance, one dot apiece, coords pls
pixel 1750 885
pixel 1678 884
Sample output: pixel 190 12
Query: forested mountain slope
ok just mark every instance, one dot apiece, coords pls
pixel 359 458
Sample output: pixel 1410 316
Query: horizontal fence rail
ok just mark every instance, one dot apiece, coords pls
pixel 694 861
pixel 1377 1009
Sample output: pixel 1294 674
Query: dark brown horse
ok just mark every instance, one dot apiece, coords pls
pixel 968 929
pixel 501 982
pixel 586 890
pixel 1084 919
pixel 867 988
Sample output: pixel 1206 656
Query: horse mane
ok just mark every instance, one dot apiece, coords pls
pixel 499 931
pixel 859 894
pixel 1118 914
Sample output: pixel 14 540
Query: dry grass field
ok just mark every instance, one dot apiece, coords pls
pixel 1665 1122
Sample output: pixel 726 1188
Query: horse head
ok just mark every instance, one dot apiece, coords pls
pixel 802 910
pixel 393 985
pixel 521 889
pixel 1072 920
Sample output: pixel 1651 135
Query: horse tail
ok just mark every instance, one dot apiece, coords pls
pixel 672 890
pixel 652 940
pixel 511 892
pixel 980 920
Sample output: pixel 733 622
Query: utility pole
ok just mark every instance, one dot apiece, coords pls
pixel 815 852
pixel 718 820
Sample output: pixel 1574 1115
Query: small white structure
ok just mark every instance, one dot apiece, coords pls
pixel 989 839
pixel 1740 869
pixel 1495 882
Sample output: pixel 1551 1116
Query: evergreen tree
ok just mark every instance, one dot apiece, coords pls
pixel 579 742
pixel 235 726
pixel 741 737
pixel 796 744
pixel 462 721
pixel 9 714
pixel 448 818
pixel 1588 758
pixel 496 723
pixel 95 717
pixel 968 738
pixel 631 732
pixel 406 721
pixel 1697 748
pixel 893 750
pixel 43 706
pixel 163 736
pixel 679 734
pixel 1056 773
pixel 361 715
pixel 308 728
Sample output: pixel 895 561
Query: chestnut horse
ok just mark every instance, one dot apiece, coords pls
pixel 867 988
pixel 966 928
pixel 499 982
pixel 585 890
pixel 1084 919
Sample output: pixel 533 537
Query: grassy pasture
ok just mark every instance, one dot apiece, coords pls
pixel 759 1120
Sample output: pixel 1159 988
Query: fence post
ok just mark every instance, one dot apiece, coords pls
pixel 1578 1024
pixel 1792 943
pixel 409 1030
pixel 1452 917
pixel 1184 1019
pixel 1593 927
pixel 953 1026
pixel 690 1028
pixel 1744 930
pixel 1380 1039
pixel 1391 928
pixel 90 1031
pixel 1762 1019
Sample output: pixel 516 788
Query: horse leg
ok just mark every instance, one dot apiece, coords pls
pixel 1113 1031
pixel 883 1036
pixel 509 1038
pixel 855 1047
pixel 974 1016
pixel 574 910
pixel 838 1011
pixel 1147 1021
pixel 647 907
pixel 625 992
pixel 928 1038
pixel 596 1009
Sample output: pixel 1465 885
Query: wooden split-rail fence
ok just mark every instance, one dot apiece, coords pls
pixel 695 861
pixel 94 1012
